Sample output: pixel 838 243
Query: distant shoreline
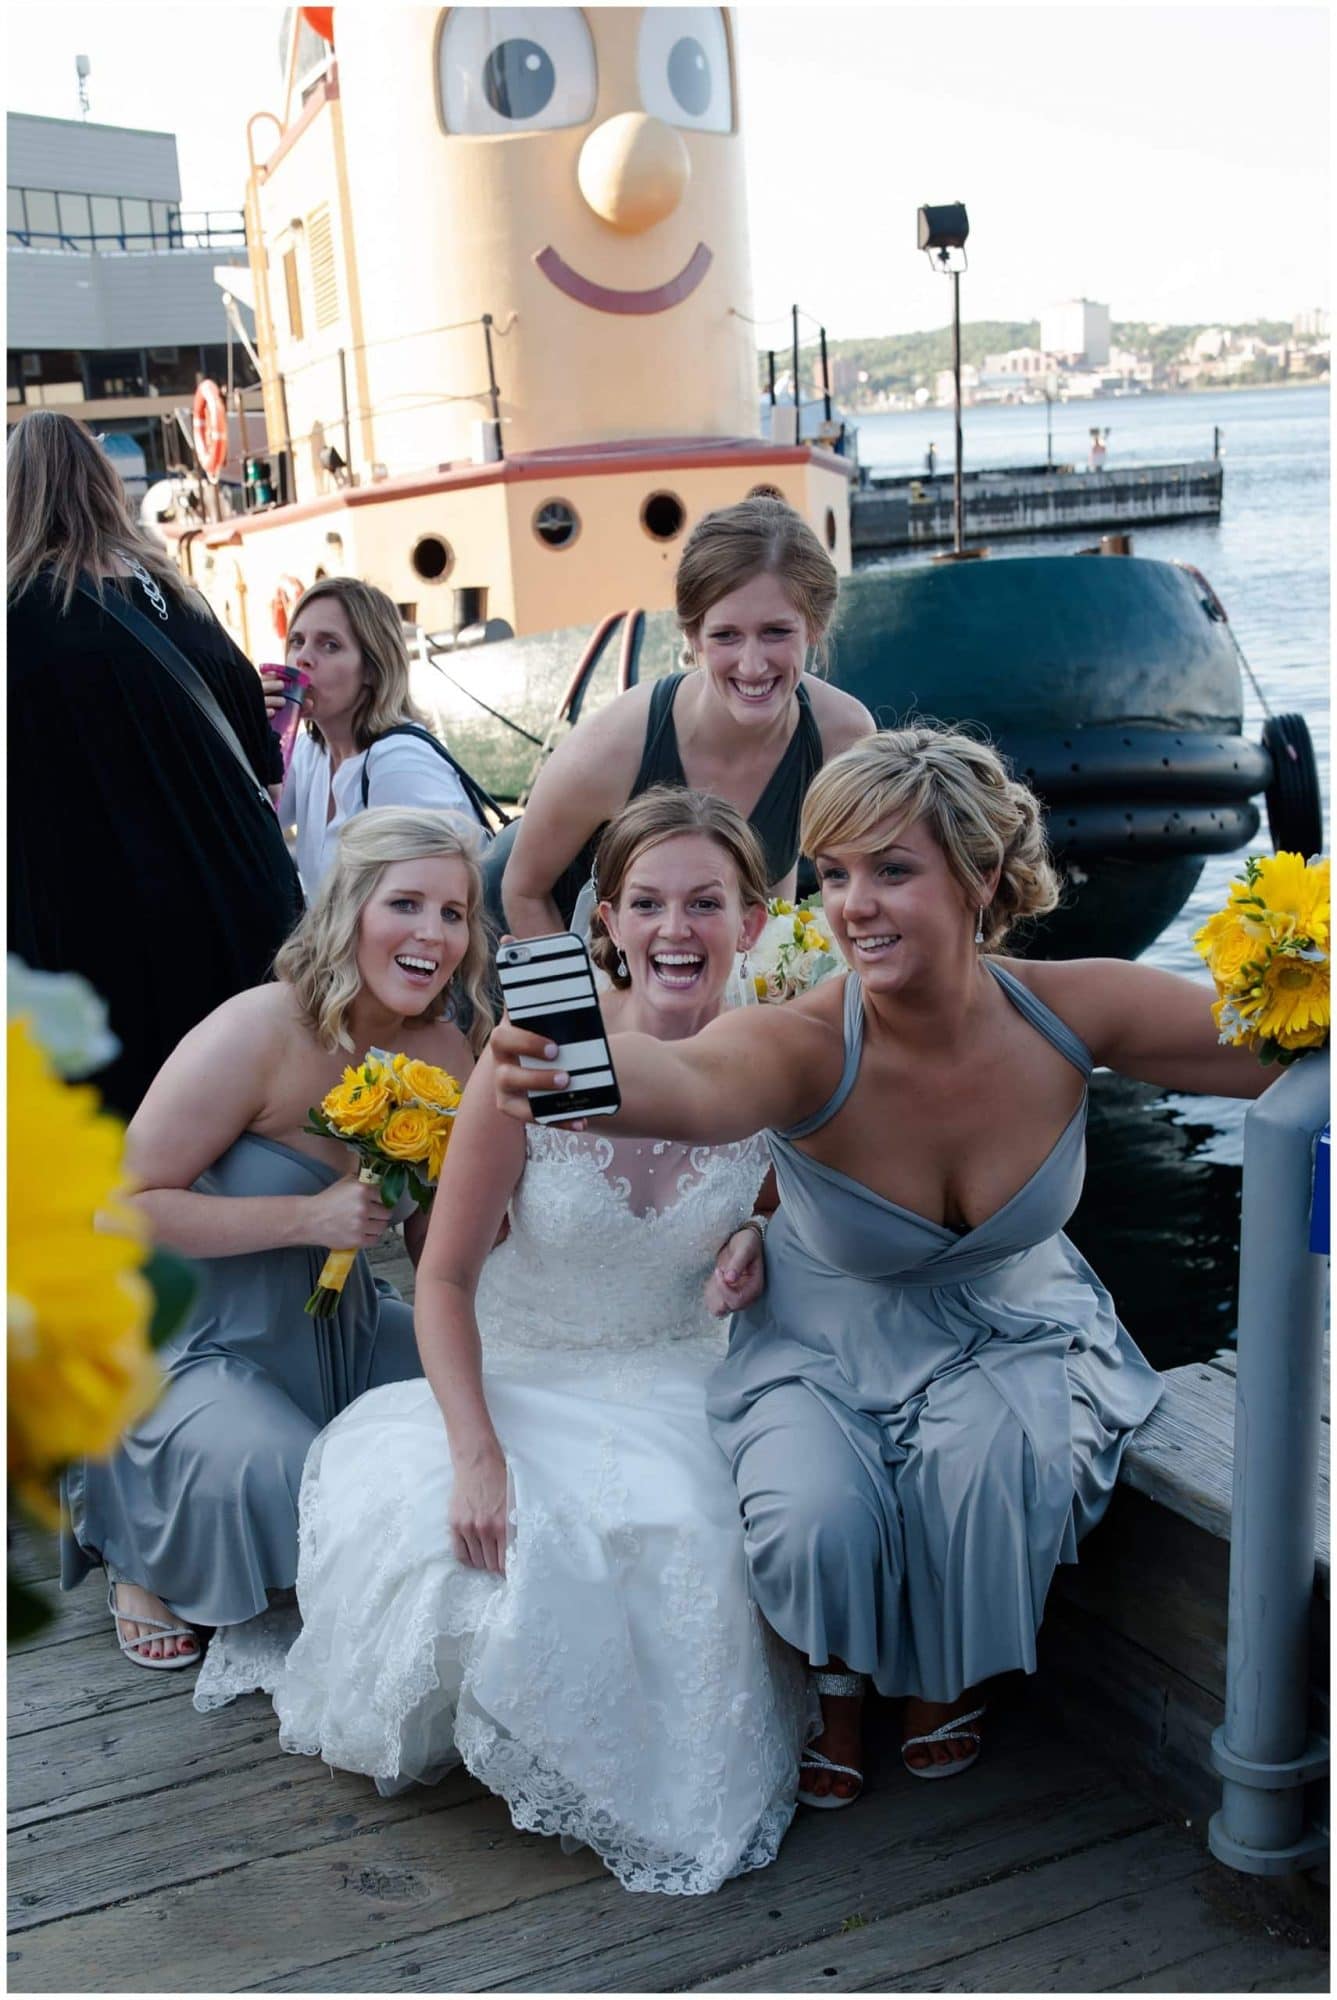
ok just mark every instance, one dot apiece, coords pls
pixel 1081 402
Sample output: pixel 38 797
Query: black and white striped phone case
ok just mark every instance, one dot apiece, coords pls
pixel 549 988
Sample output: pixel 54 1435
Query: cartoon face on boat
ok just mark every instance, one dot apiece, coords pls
pixel 576 173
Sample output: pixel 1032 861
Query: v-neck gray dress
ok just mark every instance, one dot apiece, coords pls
pixel 923 1423
pixel 199 1504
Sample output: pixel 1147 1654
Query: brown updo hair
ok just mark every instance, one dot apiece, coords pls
pixel 661 814
pixel 959 786
pixel 759 536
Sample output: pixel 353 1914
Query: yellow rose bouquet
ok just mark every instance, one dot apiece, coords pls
pixel 795 950
pixel 396 1113
pixel 1268 953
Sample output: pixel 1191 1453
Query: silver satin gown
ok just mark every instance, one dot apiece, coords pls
pixel 922 1423
pixel 200 1502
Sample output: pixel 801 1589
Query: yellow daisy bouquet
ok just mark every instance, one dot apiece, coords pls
pixel 396 1113
pixel 795 950
pixel 1268 952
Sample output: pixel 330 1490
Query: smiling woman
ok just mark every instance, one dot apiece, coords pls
pixel 195 1518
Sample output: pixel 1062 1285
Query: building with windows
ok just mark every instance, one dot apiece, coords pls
pixel 114 310
pixel 1077 330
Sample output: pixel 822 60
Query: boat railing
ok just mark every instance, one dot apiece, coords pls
pixel 1264 1750
pixel 203 229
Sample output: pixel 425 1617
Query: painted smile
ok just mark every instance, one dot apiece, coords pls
pixel 606 298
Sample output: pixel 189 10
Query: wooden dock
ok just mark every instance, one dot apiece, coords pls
pixel 156 1850
pixel 890 513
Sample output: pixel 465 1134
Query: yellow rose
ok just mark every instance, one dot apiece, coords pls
pixel 407 1134
pixel 762 986
pixel 436 1152
pixel 814 941
pixel 780 908
pixel 1227 946
pixel 355 1107
pixel 428 1085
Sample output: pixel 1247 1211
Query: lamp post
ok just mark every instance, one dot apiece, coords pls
pixel 1051 390
pixel 942 236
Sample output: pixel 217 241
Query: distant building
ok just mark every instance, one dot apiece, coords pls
pixel 1210 344
pixel 944 386
pixel 114 312
pixel 1312 325
pixel 1077 330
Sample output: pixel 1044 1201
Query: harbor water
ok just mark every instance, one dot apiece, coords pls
pixel 1160 1218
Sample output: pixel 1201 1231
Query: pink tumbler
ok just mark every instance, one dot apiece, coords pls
pixel 284 720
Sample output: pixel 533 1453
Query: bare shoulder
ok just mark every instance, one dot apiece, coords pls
pixel 264 1020
pixel 840 718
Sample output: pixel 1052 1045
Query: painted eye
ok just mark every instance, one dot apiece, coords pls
pixel 515 69
pixel 682 66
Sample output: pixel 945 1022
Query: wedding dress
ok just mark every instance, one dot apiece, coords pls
pixel 618 1687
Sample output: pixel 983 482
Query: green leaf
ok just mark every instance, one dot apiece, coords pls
pixel 27 1612
pixel 175 1283
pixel 394 1184
pixel 421 1192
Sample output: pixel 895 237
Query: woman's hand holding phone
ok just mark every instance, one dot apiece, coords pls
pixel 508 1044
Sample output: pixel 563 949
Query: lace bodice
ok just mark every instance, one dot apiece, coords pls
pixel 612 1240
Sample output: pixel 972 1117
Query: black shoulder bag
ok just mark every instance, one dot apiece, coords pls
pixel 483 803
pixel 187 676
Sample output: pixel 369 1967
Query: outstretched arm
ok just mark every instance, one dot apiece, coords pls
pixel 1144 1023
pixel 585 781
pixel 758 1067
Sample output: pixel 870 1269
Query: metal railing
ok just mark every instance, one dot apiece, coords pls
pixel 203 229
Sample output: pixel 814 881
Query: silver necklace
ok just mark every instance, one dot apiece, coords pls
pixel 151 589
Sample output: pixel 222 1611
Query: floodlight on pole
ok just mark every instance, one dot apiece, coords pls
pixel 942 237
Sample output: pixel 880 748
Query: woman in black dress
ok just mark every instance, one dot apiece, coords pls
pixel 140 853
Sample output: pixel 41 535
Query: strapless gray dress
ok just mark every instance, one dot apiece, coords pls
pixel 922 1423
pixel 200 1502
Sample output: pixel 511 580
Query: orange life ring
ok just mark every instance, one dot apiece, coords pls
pixel 210 426
pixel 287 591
pixel 322 20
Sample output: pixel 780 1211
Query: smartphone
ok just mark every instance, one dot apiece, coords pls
pixel 548 984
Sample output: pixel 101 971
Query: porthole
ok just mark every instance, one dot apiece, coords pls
pixel 432 558
pixel 556 523
pixel 662 516
pixel 765 493
pixel 831 528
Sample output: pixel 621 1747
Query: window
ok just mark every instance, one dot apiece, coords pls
pixel 106 214
pixel 324 282
pixel 42 217
pixel 557 523
pixel 116 371
pixel 432 558
pixel 74 221
pixel 137 221
pixel 294 293
pixel 15 220
pixel 172 371
pixel 662 516
pixel 162 220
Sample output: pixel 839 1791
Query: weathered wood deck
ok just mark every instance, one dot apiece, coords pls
pixel 156 1850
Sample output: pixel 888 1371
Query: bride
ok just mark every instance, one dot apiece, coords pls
pixel 533 1561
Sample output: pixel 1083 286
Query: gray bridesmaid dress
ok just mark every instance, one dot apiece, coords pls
pixel 922 1423
pixel 199 1504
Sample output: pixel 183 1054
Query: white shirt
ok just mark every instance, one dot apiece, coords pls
pixel 405 771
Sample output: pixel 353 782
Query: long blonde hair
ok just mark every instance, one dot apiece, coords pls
pixel 960 788
pixel 319 960
pixel 660 814
pixel 68 514
pixel 759 536
pixel 378 630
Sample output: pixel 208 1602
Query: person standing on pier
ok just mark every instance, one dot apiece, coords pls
pixel 931 460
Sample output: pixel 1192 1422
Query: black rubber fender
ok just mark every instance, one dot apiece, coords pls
pixel 1294 800
pixel 1110 827
pixel 1138 764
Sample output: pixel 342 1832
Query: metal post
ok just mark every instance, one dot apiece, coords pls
pixel 770 374
pixel 1049 431
pixel 1216 440
pixel 826 377
pixel 798 408
pixel 348 429
pixel 492 387
pixel 958 502
pixel 1263 1750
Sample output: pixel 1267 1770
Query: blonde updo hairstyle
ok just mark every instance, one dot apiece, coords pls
pixel 661 814
pixel 319 960
pixel 759 536
pixel 959 787
pixel 378 632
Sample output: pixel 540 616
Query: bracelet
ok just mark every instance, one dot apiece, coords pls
pixel 761 1223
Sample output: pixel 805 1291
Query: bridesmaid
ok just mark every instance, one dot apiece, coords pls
pixel 195 1519
pixel 928 1406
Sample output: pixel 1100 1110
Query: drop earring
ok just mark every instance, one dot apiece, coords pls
pixel 622 972
pixel 979 926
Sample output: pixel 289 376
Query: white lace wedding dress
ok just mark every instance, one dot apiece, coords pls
pixel 618 1687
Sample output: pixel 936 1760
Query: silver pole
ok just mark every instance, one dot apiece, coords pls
pixel 1263 1750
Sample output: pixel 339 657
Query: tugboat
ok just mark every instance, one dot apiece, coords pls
pixel 499 270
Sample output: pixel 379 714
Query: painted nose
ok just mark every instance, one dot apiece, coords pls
pixel 633 171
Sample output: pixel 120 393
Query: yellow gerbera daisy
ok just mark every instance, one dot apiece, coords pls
pixel 1292 1004
pixel 1295 895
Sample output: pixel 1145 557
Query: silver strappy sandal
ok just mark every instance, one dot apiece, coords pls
pixel 958 1730
pixel 161 1630
pixel 813 1760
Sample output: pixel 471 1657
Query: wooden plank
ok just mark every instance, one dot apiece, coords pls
pixel 1032 1797
pixel 260 1922
pixel 34 1553
pixel 75 1615
pixel 61 1867
pixel 1241 1965
pixel 1226 1360
pixel 1183 1456
pixel 930 1947
pixel 87 1678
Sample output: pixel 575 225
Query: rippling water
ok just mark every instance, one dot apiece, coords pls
pixel 1160 1219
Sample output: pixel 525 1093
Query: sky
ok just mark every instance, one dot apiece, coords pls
pixel 1169 161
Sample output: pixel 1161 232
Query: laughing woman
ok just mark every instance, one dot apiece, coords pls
pixel 195 1519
